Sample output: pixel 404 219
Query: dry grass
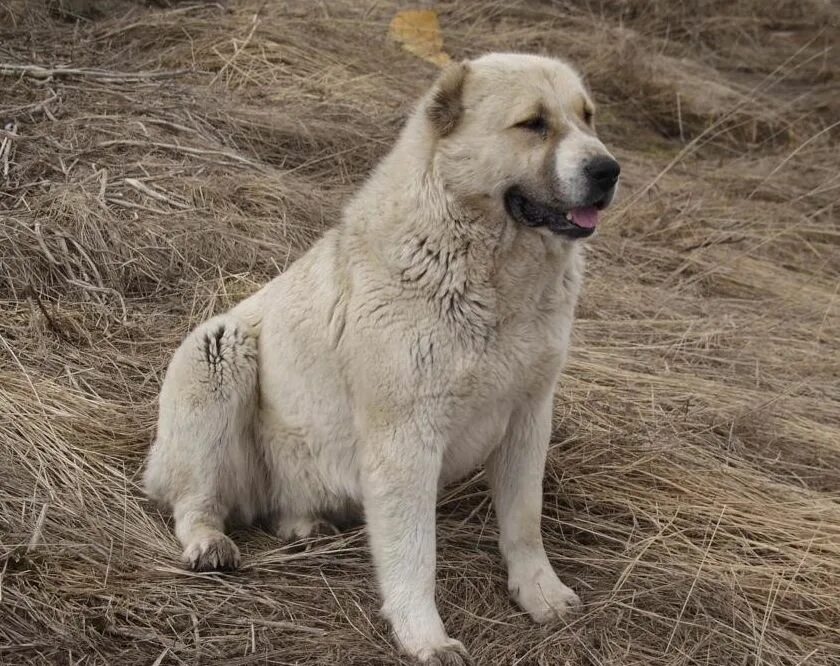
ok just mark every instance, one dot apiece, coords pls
pixel 692 496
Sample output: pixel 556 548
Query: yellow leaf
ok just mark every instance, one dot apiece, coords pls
pixel 419 33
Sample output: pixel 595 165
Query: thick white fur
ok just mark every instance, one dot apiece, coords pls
pixel 418 339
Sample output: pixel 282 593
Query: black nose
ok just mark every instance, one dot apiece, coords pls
pixel 603 171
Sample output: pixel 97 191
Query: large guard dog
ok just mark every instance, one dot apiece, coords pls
pixel 418 339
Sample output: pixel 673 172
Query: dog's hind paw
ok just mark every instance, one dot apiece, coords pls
pixel 290 530
pixel 214 552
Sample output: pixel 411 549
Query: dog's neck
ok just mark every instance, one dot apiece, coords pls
pixel 450 250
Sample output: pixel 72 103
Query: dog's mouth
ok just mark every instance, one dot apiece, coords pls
pixel 576 222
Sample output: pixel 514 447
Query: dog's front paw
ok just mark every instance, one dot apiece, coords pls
pixel 543 595
pixel 450 653
pixel 212 552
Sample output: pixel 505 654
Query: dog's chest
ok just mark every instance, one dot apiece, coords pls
pixel 512 375
pixel 492 344
pixel 471 444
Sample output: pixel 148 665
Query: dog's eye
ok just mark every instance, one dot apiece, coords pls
pixel 588 115
pixel 536 124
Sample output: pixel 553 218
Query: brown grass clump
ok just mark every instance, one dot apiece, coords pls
pixel 160 160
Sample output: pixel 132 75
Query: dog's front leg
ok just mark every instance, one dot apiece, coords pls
pixel 515 472
pixel 401 470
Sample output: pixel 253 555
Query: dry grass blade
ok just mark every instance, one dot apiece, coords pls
pixel 39 72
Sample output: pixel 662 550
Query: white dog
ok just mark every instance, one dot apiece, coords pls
pixel 418 339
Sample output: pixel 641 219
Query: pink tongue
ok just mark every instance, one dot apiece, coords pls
pixel 585 217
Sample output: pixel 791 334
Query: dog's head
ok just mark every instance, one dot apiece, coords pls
pixel 515 134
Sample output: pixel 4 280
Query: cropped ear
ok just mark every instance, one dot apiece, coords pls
pixel 446 106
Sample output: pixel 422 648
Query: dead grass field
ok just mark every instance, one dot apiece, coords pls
pixel 194 149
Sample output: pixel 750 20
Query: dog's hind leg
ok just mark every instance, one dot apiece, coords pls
pixel 199 526
pixel 204 463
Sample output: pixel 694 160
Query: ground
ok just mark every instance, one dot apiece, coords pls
pixel 195 149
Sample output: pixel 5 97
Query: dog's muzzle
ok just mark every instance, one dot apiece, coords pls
pixel 601 175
